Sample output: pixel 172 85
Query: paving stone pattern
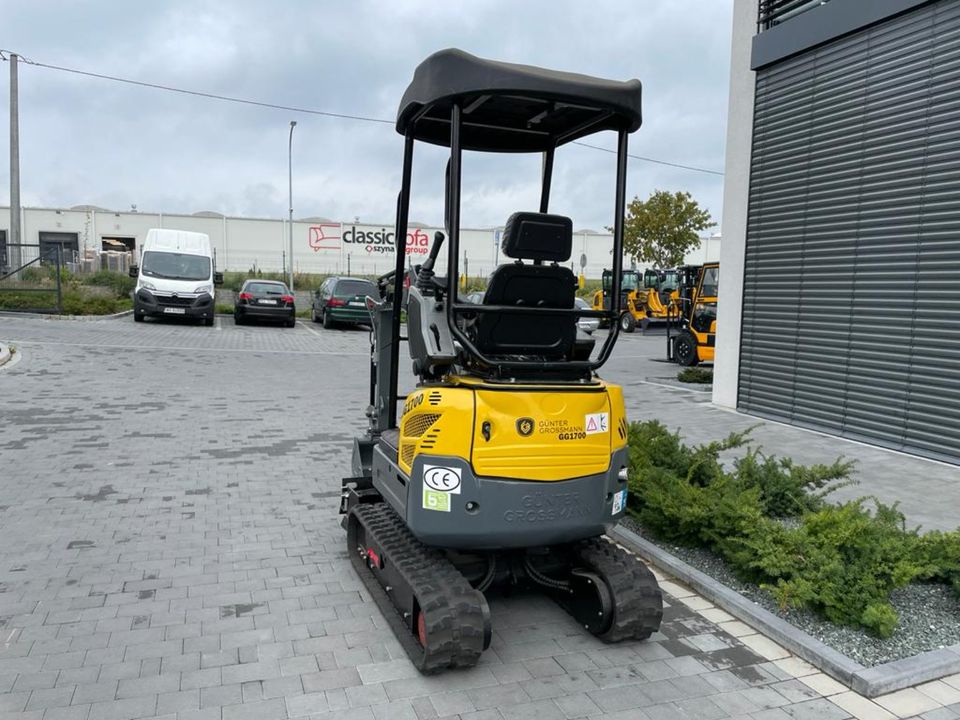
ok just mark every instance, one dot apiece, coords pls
pixel 170 547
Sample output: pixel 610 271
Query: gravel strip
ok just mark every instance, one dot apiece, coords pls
pixel 929 612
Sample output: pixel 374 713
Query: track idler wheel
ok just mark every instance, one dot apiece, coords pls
pixel 637 602
pixel 589 601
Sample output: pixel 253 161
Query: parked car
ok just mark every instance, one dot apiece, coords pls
pixel 265 300
pixel 587 324
pixel 343 300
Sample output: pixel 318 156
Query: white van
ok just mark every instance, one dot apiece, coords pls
pixel 176 276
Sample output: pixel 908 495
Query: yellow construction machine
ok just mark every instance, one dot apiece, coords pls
pixel 508 463
pixel 651 296
pixel 692 330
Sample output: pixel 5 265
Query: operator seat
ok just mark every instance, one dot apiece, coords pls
pixel 539 237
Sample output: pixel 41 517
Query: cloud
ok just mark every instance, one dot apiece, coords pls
pixel 86 140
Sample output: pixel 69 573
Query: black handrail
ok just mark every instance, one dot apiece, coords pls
pixel 454 309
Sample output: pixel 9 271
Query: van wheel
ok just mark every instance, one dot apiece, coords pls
pixel 327 321
pixel 685 349
pixel 291 323
pixel 627 323
pixel 208 321
pixel 137 316
pixel 313 315
pixel 238 319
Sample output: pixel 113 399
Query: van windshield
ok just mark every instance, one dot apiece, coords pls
pixel 175 266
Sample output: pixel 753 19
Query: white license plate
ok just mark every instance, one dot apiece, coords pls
pixel 268 302
pixel 175 311
pixel 357 304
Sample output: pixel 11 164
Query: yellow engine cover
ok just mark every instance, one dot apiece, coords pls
pixel 547 433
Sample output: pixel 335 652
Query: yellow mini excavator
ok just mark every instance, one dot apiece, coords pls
pixel 508 464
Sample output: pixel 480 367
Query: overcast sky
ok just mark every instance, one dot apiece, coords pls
pixel 92 141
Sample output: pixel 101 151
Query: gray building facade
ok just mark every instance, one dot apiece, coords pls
pixel 846 265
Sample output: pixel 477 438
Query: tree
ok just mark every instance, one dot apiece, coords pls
pixel 664 228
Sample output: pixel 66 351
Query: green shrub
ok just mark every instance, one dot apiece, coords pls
pixel 588 290
pixel 121 283
pixel 653 446
pixel 473 284
pixel 939 554
pixel 842 561
pixel 75 302
pixel 27 300
pixel 34 274
pixel 702 376
pixel 786 489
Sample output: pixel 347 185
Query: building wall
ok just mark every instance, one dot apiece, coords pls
pixel 736 187
pixel 360 248
pixel 846 281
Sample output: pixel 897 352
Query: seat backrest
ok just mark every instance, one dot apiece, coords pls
pixel 539 237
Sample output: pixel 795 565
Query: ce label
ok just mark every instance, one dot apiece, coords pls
pixel 442 478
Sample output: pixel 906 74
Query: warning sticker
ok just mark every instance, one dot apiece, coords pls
pixel 436 500
pixel 619 502
pixel 596 423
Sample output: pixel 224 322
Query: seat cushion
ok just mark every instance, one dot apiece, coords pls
pixel 543 286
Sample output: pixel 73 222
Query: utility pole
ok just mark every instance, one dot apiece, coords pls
pixel 15 239
pixel 293 124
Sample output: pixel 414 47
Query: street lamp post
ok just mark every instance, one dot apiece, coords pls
pixel 293 124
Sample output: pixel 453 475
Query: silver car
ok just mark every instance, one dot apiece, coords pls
pixel 587 324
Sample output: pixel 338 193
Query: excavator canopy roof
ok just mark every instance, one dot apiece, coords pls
pixel 512 108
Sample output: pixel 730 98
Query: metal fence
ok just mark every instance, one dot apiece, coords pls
pixel 31 278
pixel 32 275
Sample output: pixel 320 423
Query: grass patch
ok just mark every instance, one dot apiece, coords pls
pixel 769 519
pixel 696 375
pixel 121 284
pixel 75 302
pixel 12 300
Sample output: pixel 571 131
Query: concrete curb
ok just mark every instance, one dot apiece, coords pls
pixel 76 318
pixel 869 682
pixel 87 318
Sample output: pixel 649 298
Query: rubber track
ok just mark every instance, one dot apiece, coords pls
pixel 454 612
pixel 638 602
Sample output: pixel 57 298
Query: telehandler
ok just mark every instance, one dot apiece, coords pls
pixel 509 462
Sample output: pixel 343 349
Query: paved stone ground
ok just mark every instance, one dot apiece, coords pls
pixel 169 547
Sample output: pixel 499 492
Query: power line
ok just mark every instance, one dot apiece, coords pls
pixel 292 108
pixel 197 93
pixel 652 160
